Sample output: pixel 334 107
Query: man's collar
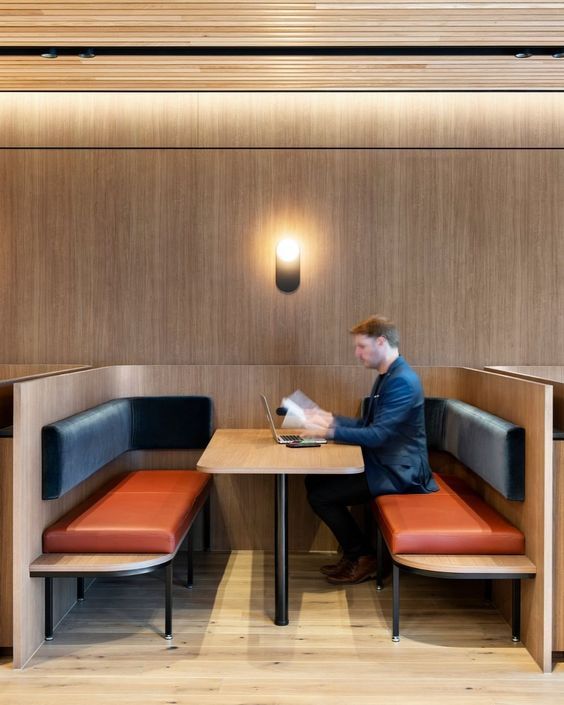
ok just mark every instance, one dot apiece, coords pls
pixel 395 363
pixel 392 366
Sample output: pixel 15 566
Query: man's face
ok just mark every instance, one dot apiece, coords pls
pixel 370 351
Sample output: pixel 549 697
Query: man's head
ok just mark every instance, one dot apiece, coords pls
pixel 376 342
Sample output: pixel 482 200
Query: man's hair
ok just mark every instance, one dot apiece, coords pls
pixel 378 326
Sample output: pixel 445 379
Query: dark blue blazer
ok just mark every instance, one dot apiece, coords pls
pixel 392 438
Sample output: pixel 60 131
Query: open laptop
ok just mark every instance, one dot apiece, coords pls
pixel 284 439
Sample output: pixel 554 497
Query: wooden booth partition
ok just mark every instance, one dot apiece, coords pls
pixel 528 405
pixel 9 374
pixel 554 376
pixel 235 390
pixel 36 403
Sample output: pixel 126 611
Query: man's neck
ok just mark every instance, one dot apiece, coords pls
pixel 384 366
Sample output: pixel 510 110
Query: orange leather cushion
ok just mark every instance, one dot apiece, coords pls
pixel 454 520
pixel 146 511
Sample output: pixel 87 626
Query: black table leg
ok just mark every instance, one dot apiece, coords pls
pixel 281 550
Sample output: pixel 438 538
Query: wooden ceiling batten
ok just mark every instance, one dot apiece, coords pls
pixel 269 73
pixel 269 23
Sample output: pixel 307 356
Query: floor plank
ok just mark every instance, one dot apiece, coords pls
pixel 337 648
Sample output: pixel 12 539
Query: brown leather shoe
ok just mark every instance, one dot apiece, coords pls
pixel 356 572
pixel 335 568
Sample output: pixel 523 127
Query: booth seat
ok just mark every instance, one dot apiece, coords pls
pixel 454 533
pixel 137 521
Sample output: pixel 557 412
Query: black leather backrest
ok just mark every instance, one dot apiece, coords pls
pixel 491 447
pixel 78 446
pixel 171 422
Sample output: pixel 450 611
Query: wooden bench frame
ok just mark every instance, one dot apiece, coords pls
pixel 98 565
pixel 459 566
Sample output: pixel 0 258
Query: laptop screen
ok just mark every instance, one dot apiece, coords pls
pixel 269 417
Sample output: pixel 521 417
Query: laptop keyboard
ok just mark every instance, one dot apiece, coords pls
pixel 291 437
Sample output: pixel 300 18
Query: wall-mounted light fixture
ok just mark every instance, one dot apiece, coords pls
pixel 87 53
pixel 287 265
pixel 51 53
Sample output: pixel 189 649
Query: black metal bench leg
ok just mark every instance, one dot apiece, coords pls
pixel 207 524
pixel 48 609
pixel 379 559
pixel 395 602
pixel 80 589
pixel 368 522
pixel 488 584
pixel 189 560
pixel 516 610
pixel 168 601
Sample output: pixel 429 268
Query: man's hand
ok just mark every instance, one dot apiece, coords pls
pixel 319 423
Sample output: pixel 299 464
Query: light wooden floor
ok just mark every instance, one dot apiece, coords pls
pixel 337 648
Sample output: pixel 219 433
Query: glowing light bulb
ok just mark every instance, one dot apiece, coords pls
pixel 288 250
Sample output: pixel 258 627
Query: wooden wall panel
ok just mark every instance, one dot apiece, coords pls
pixel 167 256
pixel 282 119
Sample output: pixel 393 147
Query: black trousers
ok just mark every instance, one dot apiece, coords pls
pixel 329 497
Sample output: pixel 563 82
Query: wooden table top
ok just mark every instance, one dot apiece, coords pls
pixel 253 451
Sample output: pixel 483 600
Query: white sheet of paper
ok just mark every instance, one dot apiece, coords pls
pixel 295 405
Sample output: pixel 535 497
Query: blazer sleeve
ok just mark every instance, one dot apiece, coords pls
pixel 391 412
pixel 347 421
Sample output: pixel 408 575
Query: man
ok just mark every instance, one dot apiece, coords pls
pixel 392 437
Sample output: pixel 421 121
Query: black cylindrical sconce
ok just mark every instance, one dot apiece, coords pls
pixel 287 265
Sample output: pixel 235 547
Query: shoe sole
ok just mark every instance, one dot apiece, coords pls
pixel 333 581
pixel 328 573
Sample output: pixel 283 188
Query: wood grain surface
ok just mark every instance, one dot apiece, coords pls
pixel 455 646
pixel 303 119
pixel 216 23
pixel 167 256
pixel 281 73
pixel 558 599
pixel 36 403
pixel 6 547
pixel 468 564
pixel 8 375
pixel 255 452
pixel 95 562
pixel 554 376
